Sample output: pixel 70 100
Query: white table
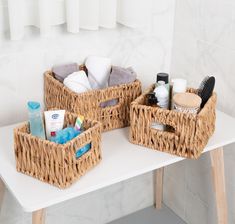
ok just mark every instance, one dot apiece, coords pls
pixel 121 160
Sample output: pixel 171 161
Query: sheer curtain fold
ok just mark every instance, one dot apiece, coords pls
pixel 16 11
pixel 89 14
pixel 134 13
pixel 85 14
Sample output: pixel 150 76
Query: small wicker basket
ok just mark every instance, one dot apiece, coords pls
pixel 53 163
pixel 188 133
pixel 88 103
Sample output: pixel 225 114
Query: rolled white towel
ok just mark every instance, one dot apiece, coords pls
pixel 99 69
pixel 78 82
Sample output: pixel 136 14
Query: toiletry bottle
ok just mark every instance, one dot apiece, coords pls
pixel 162 94
pixel 151 99
pixel 179 86
pixel 35 120
pixel 163 77
pixel 153 102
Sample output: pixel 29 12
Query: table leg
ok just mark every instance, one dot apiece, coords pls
pixel 38 217
pixel 2 190
pixel 158 187
pixel 217 163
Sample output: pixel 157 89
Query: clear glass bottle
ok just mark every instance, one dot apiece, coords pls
pixel 35 120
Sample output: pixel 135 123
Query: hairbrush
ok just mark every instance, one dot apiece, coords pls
pixel 206 89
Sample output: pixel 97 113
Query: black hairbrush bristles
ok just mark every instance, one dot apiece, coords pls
pixel 206 89
pixel 202 85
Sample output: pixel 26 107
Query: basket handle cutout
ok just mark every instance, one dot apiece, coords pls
pixel 109 103
pixel 161 127
pixel 84 150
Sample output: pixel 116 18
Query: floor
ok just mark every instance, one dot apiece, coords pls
pixel 151 216
pixel 12 213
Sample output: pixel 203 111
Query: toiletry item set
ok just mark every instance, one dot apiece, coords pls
pixel 54 123
pixel 97 89
pixel 176 93
pixel 179 121
pixel 73 147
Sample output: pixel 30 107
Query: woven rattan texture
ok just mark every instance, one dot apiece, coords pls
pixel 88 104
pixel 190 133
pixel 53 163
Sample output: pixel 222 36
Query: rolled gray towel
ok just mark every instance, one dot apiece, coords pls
pixel 121 75
pixel 62 71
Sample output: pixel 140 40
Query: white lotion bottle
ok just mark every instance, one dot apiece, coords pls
pixel 162 94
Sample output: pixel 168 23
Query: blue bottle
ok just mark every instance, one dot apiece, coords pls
pixel 35 120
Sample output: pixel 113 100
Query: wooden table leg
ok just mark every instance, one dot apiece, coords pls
pixel 38 217
pixel 158 187
pixel 2 190
pixel 217 163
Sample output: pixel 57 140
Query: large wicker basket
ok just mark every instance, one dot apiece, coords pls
pixel 88 103
pixel 53 163
pixel 188 134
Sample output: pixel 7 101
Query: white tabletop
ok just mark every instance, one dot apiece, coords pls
pixel 121 160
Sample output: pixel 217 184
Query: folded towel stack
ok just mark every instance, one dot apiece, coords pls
pixel 100 74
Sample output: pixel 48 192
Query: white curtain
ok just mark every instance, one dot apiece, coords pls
pixel 85 14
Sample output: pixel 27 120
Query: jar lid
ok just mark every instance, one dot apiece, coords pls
pixel 189 100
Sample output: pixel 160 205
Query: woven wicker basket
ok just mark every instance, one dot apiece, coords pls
pixel 188 134
pixel 53 163
pixel 88 103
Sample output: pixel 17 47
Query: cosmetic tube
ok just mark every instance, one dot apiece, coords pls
pixel 54 122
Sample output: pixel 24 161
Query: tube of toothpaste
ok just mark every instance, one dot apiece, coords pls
pixel 54 120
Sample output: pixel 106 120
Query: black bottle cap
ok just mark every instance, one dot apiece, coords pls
pixel 163 77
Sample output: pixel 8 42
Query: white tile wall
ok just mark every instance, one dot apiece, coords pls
pixel 22 64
